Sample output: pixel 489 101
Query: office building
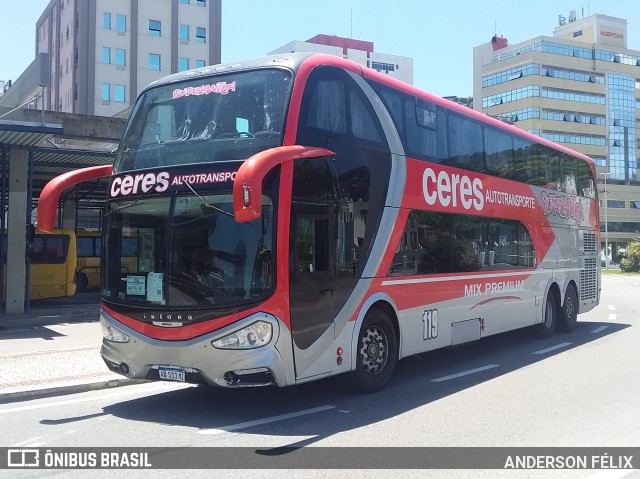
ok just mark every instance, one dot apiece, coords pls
pixel 581 88
pixel 359 51
pixel 102 53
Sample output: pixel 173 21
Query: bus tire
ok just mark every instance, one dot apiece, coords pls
pixel 376 354
pixel 548 325
pixel 568 317
pixel 82 282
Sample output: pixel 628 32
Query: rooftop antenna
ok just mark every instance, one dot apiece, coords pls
pixel 495 26
pixel 351 35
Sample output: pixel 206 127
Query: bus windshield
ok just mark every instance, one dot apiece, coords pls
pixel 186 251
pixel 206 119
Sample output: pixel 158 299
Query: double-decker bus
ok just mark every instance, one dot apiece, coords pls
pixel 301 216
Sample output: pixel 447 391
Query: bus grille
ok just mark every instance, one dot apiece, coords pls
pixel 588 279
pixel 589 243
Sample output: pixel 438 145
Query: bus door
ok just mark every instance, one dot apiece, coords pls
pixel 312 260
pixel 312 279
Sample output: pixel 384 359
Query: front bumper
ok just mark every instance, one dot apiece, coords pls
pixel 144 358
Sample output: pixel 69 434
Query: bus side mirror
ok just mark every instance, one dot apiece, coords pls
pixel 247 187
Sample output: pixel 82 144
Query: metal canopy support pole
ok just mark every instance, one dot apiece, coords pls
pixel 3 226
pixel 16 230
pixel 27 294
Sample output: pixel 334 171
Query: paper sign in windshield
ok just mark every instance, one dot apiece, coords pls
pixel 135 285
pixel 154 287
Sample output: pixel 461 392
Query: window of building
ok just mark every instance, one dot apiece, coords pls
pixel 106 20
pixel 106 55
pixel 186 2
pixel 634 204
pixel 121 57
pixel 183 64
pixel 201 34
pixel 201 3
pixel 155 28
pixel 200 63
pixel 121 23
pixel 106 92
pixel 615 204
pixel 382 66
pixel 184 32
pixel 118 93
pixel 154 61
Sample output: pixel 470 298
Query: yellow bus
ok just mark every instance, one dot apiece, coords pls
pixel 89 246
pixel 53 264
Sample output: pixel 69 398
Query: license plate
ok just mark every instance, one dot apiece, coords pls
pixel 171 374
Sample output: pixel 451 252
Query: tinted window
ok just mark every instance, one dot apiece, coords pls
pixel 49 249
pixel 465 143
pixel 437 243
pixel 328 107
pixel 499 153
pixel 426 130
pixel 85 247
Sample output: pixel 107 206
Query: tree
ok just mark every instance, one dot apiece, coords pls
pixel 631 260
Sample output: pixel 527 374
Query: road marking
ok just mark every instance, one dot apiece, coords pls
pixel 612 307
pixel 612 317
pixel 599 330
pixel 141 389
pixel 613 474
pixel 267 420
pixel 465 373
pixel 552 348
pixel 27 442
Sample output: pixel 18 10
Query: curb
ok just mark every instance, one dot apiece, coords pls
pixel 41 393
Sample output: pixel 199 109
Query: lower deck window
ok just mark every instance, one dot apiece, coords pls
pixel 437 243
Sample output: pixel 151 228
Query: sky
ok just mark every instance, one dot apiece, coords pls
pixel 438 34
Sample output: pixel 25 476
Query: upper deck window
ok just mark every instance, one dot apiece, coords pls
pixel 207 119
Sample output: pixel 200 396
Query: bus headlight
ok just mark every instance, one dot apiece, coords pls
pixel 253 336
pixel 113 334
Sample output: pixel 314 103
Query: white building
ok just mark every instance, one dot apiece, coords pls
pixel 359 51
pixel 102 53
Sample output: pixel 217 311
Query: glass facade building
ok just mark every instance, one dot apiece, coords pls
pixel 580 88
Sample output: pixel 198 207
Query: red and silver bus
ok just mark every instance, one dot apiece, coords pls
pixel 301 216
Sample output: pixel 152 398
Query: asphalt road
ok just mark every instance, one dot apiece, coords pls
pixel 577 389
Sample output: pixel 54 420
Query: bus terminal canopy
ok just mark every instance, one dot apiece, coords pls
pixel 48 159
pixel 32 154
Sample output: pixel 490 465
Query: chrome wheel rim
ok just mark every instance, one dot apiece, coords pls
pixel 374 350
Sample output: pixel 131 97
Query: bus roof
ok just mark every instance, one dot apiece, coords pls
pixel 294 61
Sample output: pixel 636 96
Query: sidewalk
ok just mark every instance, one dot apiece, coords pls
pixel 53 349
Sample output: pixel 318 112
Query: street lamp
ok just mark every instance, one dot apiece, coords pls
pixel 606 222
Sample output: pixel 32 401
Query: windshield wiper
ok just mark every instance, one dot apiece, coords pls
pixel 208 205
pixel 122 207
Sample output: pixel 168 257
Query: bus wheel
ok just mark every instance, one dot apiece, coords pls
pixel 377 352
pixel 548 325
pixel 82 283
pixel 569 312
